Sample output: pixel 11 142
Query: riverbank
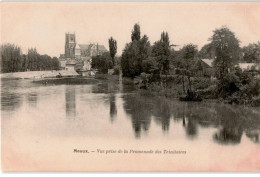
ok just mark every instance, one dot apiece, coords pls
pixel 82 80
pixel 66 80
pixel 246 92
pixel 38 74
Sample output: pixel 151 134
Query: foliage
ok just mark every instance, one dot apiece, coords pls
pixel 161 53
pixel 135 53
pixel 240 88
pixel 227 51
pixel 189 53
pixel 14 61
pixel 10 58
pixel 116 70
pixel 136 33
pixel 102 62
pixel 207 51
pixel 150 65
pixel 112 49
pixel 251 53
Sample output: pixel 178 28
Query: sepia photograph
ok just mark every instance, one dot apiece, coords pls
pixel 130 86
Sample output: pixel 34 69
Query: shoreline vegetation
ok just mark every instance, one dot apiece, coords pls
pixel 188 74
pixel 212 73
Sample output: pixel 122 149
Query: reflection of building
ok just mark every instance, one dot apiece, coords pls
pixel 80 54
pixel 32 99
pixel 70 99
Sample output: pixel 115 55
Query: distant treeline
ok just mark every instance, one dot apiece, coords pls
pixel 12 60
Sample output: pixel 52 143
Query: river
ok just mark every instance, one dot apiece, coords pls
pixel 42 125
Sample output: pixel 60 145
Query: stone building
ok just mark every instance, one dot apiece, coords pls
pixel 80 54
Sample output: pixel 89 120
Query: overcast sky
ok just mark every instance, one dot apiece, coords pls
pixel 43 25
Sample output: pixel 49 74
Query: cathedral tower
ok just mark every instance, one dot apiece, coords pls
pixel 70 44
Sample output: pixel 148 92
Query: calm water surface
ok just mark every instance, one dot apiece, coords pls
pixel 42 124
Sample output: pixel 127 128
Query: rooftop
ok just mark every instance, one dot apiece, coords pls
pixel 208 61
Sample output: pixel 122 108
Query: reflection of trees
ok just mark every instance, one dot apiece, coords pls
pixel 230 120
pixel 10 101
pixel 140 111
pixel 232 123
pixel 253 135
pixel 113 109
pixel 189 121
pixel 228 135
pixel 70 99
pixel 162 113
pixel 191 128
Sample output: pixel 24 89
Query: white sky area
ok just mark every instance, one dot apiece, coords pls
pixel 43 25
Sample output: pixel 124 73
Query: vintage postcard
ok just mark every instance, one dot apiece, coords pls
pixel 130 86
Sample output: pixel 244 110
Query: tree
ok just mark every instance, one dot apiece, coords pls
pixel 32 59
pixel 228 54
pixel 102 62
pixel 136 33
pixel 207 51
pixel 251 53
pixel 161 51
pixel 227 51
pixel 135 53
pixel 189 54
pixel 24 61
pixel 112 49
pixel 10 58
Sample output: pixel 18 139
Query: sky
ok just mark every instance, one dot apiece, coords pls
pixel 43 24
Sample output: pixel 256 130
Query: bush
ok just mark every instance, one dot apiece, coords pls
pixel 102 62
pixel 116 70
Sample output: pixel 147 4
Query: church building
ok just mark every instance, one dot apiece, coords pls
pixel 79 55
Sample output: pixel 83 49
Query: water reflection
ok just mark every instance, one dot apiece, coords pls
pixel 228 135
pixel 253 135
pixel 10 102
pixel 230 121
pixel 139 109
pixel 113 109
pixel 162 114
pixel 32 99
pixel 191 128
pixel 70 99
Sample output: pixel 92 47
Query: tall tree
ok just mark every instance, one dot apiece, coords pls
pixel 227 51
pixel 189 54
pixel 10 58
pixel 136 33
pixel 112 49
pixel 135 53
pixel 32 59
pixel 161 52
